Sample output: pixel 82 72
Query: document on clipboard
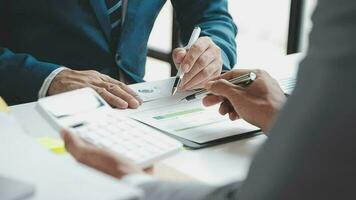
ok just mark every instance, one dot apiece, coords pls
pixel 188 120
pixel 193 121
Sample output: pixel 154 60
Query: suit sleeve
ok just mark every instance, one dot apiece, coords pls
pixel 311 150
pixel 194 191
pixel 21 76
pixel 213 18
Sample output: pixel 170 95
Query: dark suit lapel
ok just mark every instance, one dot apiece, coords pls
pixel 100 12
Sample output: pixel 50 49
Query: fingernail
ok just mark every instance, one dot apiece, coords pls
pixel 140 101
pixel 123 105
pixel 181 50
pixel 134 103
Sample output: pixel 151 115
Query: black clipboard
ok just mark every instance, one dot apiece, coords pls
pixel 193 145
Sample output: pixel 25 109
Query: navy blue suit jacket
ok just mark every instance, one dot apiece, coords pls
pixel 38 36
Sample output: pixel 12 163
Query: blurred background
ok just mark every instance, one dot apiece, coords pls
pixel 262 38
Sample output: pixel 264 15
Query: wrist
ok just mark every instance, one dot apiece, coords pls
pixel 55 84
pixel 48 81
pixel 269 120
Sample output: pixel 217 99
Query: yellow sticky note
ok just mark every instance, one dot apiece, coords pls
pixel 52 144
pixel 3 106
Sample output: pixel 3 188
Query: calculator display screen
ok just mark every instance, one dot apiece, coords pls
pixel 77 103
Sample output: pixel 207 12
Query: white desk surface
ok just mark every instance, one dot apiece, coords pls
pixel 214 165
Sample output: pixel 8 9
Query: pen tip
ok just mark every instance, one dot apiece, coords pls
pixel 174 90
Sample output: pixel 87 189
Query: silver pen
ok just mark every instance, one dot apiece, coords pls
pixel 193 39
pixel 243 80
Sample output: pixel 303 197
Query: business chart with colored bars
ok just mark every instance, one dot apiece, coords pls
pixel 193 121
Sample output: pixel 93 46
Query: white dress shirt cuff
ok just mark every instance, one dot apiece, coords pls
pixel 47 82
pixel 138 179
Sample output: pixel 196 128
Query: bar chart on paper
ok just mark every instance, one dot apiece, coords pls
pixel 192 121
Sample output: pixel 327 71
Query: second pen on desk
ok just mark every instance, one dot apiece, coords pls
pixel 241 80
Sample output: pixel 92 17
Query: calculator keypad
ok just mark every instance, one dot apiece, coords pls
pixel 128 138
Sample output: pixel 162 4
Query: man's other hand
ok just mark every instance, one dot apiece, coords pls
pixel 99 159
pixel 258 103
pixel 200 63
pixel 116 93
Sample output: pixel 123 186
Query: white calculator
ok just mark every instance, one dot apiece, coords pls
pixel 86 114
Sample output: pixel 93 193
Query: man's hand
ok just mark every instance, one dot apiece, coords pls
pixel 200 63
pixel 257 103
pixel 100 159
pixel 114 92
